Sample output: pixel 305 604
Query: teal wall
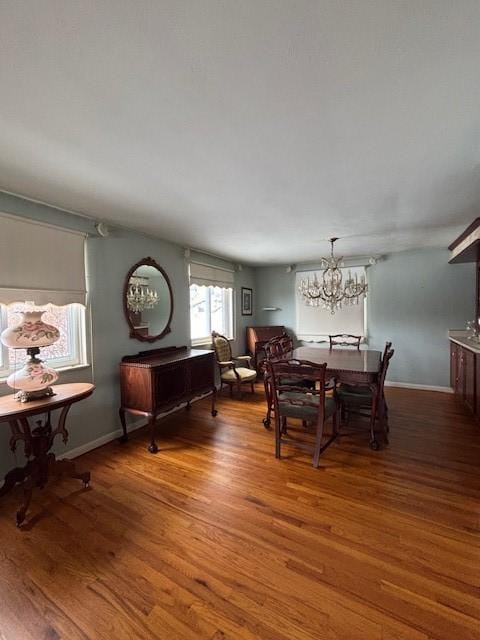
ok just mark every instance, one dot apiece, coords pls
pixel 108 260
pixel 414 298
pixel 275 288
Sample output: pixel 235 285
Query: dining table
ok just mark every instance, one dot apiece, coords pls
pixel 349 367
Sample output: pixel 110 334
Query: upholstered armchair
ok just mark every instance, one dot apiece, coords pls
pixel 234 371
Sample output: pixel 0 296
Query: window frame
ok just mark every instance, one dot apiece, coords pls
pixel 195 342
pixel 77 336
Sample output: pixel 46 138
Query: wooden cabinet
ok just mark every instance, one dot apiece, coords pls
pixel 257 338
pixel 465 376
pixel 477 387
pixel 465 359
pixel 454 355
pixel 156 381
pixel 457 370
pixel 469 379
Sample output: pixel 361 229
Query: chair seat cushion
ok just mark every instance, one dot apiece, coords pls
pixel 246 375
pixel 305 411
pixel 355 389
pixel 354 395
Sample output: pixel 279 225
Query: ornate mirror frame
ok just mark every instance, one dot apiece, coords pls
pixel 133 332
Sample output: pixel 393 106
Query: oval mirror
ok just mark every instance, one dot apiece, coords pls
pixel 148 301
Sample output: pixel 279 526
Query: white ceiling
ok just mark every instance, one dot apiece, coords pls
pixel 253 129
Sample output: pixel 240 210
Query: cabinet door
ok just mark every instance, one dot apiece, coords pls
pixel 469 379
pixel 202 371
pixel 459 371
pixel 453 365
pixel 171 383
pixel 459 387
pixel 477 386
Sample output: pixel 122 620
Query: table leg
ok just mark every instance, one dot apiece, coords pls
pixel 27 497
pixel 121 413
pixel 383 417
pixel 214 399
pixel 13 477
pixel 269 399
pixel 21 431
pixel 385 414
pixel 152 447
pixel 66 467
pixel 374 444
pixel 38 442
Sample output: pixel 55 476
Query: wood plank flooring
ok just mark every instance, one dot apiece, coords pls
pixel 213 538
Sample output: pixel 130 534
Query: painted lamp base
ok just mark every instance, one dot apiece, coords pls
pixel 26 396
pixel 33 380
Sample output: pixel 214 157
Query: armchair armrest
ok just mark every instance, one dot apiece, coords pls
pixel 231 365
pixel 246 359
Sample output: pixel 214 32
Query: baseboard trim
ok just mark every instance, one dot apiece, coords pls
pixel 99 442
pixel 420 387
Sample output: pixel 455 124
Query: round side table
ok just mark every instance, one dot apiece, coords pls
pixel 38 440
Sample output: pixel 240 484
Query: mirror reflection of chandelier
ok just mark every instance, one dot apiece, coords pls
pixel 331 292
pixel 140 296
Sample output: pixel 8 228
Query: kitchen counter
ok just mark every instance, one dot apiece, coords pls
pixel 460 337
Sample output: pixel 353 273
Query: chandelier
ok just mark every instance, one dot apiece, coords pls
pixel 331 292
pixel 140 296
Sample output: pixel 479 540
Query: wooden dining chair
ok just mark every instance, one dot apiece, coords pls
pixel 361 387
pixel 344 340
pixel 368 400
pixel 278 348
pixel 308 404
pixel 234 371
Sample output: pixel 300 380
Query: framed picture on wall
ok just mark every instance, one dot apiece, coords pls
pixel 247 301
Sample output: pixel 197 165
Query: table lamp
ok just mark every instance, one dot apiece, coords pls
pixel 33 380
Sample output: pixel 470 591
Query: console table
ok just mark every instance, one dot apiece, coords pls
pixel 156 381
pixel 38 441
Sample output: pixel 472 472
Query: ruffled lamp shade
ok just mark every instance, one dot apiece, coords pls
pixel 31 332
pixel 34 377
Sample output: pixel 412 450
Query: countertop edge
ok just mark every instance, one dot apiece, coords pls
pixel 465 342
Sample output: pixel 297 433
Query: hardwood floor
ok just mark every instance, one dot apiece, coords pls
pixel 214 538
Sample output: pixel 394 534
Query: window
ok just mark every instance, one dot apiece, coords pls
pixel 53 277
pixel 211 309
pixel 68 351
pixel 314 324
pixel 211 301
